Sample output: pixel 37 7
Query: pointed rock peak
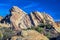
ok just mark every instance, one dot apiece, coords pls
pixel 16 9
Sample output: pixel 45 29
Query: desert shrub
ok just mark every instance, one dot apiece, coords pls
pixel 7 33
pixel 43 29
pixel 47 34
pixel 32 28
pixel 39 29
pixel 1 36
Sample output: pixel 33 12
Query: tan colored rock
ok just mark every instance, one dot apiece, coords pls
pixel 57 27
pixel 47 19
pixel 5 25
pixel 33 35
pixel 39 18
pixel 35 21
pixel 30 35
pixel 1 18
pixel 58 23
pixel 19 19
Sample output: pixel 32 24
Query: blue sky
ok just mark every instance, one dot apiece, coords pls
pixel 51 7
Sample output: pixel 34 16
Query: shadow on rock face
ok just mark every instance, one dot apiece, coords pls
pixel 56 38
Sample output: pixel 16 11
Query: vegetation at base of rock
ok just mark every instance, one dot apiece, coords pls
pixel 39 29
pixel 6 33
pixel 1 35
pixel 48 35
pixel 45 29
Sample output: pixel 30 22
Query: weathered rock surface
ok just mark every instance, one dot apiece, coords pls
pixel 56 26
pixel 1 18
pixel 19 19
pixel 5 25
pixel 39 18
pixel 30 35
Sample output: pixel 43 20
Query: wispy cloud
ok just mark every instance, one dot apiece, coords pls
pixel 31 5
pixel 57 19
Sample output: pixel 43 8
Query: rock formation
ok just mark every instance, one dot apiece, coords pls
pixel 20 20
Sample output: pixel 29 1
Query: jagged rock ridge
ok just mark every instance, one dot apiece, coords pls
pixel 21 20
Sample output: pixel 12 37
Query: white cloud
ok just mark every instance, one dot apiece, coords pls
pixel 31 5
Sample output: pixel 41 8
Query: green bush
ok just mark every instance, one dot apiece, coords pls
pixel 39 29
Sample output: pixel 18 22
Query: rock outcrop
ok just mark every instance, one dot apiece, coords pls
pixel 1 18
pixel 30 35
pixel 39 18
pixel 19 19
pixel 57 26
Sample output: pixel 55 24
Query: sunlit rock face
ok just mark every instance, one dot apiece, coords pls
pixel 57 26
pixel 1 18
pixel 39 18
pixel 19 18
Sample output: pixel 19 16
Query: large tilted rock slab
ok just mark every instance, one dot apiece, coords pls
pixel 57 27
pixel 19 19
pixel 39 18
